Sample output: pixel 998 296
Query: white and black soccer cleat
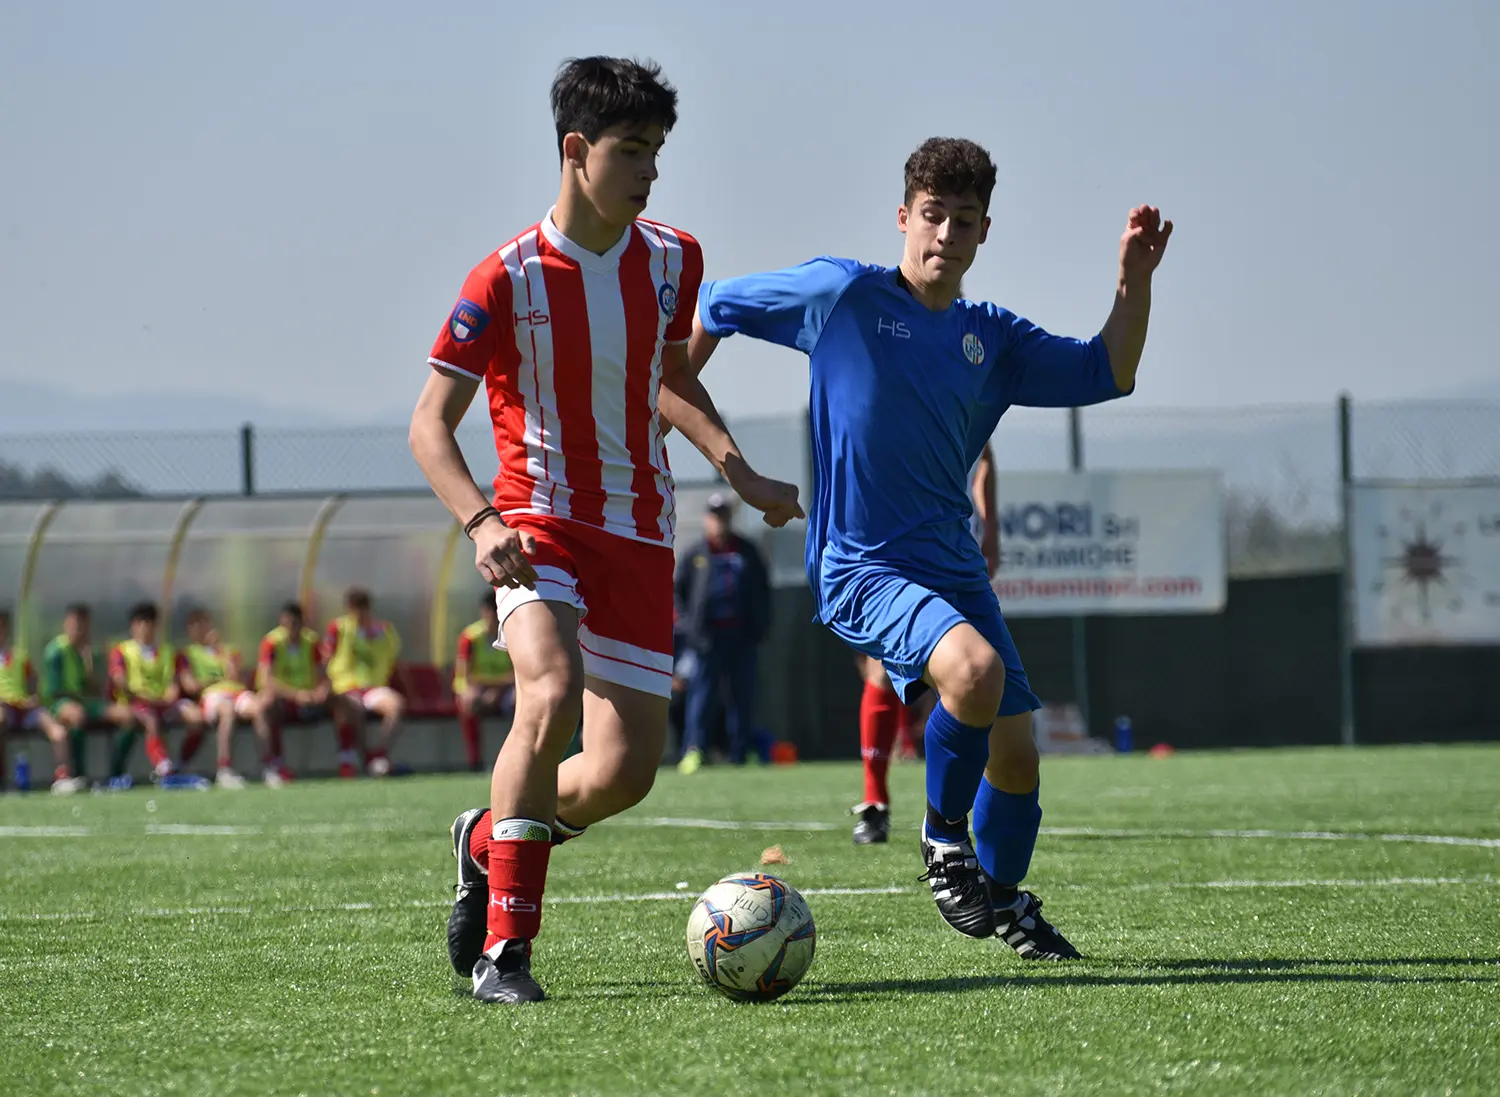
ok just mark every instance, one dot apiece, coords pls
pixel 874 826
pixel 958 886
pixel 1019 923
pixel 503 975
pixel 471 898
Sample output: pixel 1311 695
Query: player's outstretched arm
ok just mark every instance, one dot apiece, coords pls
pixel 684 401
pixel 1124 333
pixel 700 348
pixel 500 553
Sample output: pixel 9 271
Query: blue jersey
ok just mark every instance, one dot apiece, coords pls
pixel 902 402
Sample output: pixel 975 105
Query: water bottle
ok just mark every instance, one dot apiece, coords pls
pixel 23 772
pixel 1124 735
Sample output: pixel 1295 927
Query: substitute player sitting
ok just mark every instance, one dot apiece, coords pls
pixel 576 327
pixel 143 673
pixel 20 712
pixel 72 692
pixel 212 672
pixel 896 353
pixel 290 683
pixel 484 682
pixel 360 651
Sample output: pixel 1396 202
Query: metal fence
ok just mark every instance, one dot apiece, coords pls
pixel 1281 465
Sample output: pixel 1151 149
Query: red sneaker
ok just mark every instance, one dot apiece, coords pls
pixel 348 771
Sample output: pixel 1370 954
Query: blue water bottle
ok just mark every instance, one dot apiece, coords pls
pixel 1124 735
pixel 23 772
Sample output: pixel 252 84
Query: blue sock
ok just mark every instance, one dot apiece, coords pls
pixel 1005 827
pixel 956 754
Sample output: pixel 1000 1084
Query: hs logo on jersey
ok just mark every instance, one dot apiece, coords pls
pixel 973 349
pixel 536 318
pixel 892 327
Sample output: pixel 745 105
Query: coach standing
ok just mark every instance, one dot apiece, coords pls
pixel 724 609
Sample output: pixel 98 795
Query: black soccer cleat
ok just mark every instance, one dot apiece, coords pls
pixel 471 898
pixel 1020 925
pixel 874 826
pixel 958 886
pixel 505 977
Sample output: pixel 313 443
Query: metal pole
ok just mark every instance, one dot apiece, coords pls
pixel 1347 591
pixel 247 459
pixel 1080 623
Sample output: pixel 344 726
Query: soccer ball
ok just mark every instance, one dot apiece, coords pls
pixel 751 937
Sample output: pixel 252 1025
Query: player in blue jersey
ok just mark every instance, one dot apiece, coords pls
pixel 908 383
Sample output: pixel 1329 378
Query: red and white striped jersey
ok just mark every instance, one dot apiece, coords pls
pixel 569 345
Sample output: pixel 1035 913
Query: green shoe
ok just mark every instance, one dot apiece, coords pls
pixel 692 762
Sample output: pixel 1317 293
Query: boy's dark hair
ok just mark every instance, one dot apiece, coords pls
pixel 196 615
pixel 357 598
pixel 950 165
pixel 5 616
pixel 590 94
pixel 77 609
pixel 487 601
pixel 295 609
pixel 143 611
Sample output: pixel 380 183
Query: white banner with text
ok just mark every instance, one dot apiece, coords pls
pixel 1076 543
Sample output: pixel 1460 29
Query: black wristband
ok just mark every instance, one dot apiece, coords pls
pixel 474 523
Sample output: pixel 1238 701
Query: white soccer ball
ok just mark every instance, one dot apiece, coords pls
pixel 751 937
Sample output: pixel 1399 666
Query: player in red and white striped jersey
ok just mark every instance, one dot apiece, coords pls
pixel 575 330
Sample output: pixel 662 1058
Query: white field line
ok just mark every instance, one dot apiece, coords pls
pixel 679 896
pixel 687 895
pixel 717 824
pixel 1275 835
pixel 220 831
pixel 1395 881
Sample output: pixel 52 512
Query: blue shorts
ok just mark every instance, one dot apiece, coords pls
pixel 899 622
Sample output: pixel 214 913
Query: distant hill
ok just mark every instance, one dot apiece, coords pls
pixel 31 407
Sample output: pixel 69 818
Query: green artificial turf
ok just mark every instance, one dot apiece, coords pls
pixel 1234 945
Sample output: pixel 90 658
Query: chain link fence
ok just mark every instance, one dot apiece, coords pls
pixel 1280 465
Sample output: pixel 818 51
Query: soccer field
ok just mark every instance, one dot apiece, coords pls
pixel 1290 922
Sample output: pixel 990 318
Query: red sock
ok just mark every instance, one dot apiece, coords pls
pixel 468 723
pixel 156 749
pixel 345 733
pixel 276 742
pixel 225 762
pixel 518 876
pixel 879 717
pixel 190 744
pixel 906 732
pixel 479 837
pixel 479 841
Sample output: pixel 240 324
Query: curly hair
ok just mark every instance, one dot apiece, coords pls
pixel 950 165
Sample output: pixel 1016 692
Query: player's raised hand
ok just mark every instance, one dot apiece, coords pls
pixel 502 555
pixel 776 500
pixel 1144 242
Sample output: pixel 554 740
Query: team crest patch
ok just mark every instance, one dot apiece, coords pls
pixel 468 321
pixel 973 349
pixel 667 295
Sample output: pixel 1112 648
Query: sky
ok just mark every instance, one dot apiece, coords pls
pixel 273 206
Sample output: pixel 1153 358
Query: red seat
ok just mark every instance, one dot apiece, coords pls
pixel 426 689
